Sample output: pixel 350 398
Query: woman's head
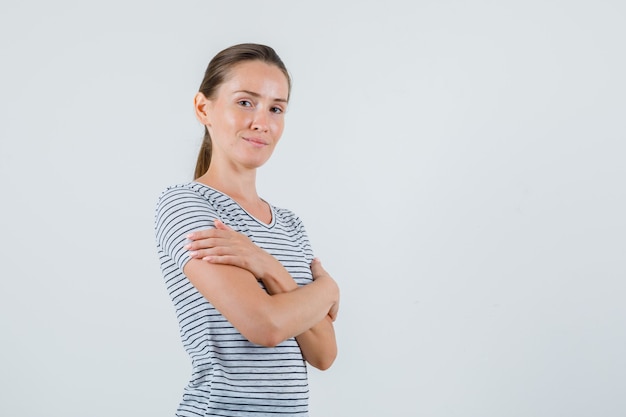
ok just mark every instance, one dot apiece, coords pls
pixel 218 71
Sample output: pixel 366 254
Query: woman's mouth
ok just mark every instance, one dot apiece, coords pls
pixel 256 142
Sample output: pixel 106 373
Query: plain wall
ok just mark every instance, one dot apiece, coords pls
pixel 459 167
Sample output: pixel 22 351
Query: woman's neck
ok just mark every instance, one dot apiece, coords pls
pixel 241 187
pixel 238 185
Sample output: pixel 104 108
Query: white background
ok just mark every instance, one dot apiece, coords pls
pixel 459 167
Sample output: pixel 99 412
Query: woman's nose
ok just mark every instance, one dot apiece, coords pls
pixel 260 121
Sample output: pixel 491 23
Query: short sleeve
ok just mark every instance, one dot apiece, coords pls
pixel 305 241
pixel 180 211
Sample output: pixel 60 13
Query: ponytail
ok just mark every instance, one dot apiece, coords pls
pixel 204 156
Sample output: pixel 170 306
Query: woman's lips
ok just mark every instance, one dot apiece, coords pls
pixel 256 142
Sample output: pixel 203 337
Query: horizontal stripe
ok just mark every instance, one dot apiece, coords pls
pixel 231 375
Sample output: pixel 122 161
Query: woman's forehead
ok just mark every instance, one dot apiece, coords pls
pixel 257 77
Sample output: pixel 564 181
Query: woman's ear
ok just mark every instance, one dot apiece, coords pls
pixel 201 107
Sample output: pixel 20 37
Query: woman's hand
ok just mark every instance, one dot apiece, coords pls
pixel 320 273
pixel 223 245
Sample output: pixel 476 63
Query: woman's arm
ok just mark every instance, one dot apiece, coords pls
pixel 318 344
pixel 262 318
pixel 225 246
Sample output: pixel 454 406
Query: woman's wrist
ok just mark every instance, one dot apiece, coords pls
pixel 333 288
pixel 275 277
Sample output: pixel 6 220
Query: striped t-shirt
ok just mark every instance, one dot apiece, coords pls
pixel 231 376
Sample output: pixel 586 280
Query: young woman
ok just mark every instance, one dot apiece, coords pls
pixel 252 302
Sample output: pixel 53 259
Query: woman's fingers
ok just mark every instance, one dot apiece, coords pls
pixel 224 245
pixel 316 268
pixel 203 234
pixel 221 235
pixel 203 252
pixel 318 271
pixel 218 231
pixel 222 259
pixel 207 243
pixel 220 225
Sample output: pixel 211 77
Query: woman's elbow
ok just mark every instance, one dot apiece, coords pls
pixel 323 366
pixel 323 362
pixel 266 333
pixel 266 340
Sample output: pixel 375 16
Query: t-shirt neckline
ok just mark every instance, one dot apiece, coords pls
pixel 262 223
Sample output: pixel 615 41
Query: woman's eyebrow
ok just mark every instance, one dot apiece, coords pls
pixel 257 95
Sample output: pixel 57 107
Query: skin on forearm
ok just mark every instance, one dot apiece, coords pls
pixel 299 310
pixel 276 278
pixel 225 246
pixel 318 344
pixel 263 319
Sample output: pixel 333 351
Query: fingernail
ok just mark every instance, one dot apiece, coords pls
pixel 193 254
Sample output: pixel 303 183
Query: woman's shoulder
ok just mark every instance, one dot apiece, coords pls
pixel 185 203
pixel 284 212
pixel 287 216
pixel 187 189
pixel 184 194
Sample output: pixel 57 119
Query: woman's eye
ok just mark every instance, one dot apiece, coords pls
pixel 277 110
pixel 244 103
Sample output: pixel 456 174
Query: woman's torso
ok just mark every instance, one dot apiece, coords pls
pixel 230 374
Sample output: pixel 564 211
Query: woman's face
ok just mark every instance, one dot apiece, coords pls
pixel 247 116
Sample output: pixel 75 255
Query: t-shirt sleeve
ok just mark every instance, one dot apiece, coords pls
pixel 179 212
pixel 305 242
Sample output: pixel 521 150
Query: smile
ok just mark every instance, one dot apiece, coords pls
pixel 256 142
